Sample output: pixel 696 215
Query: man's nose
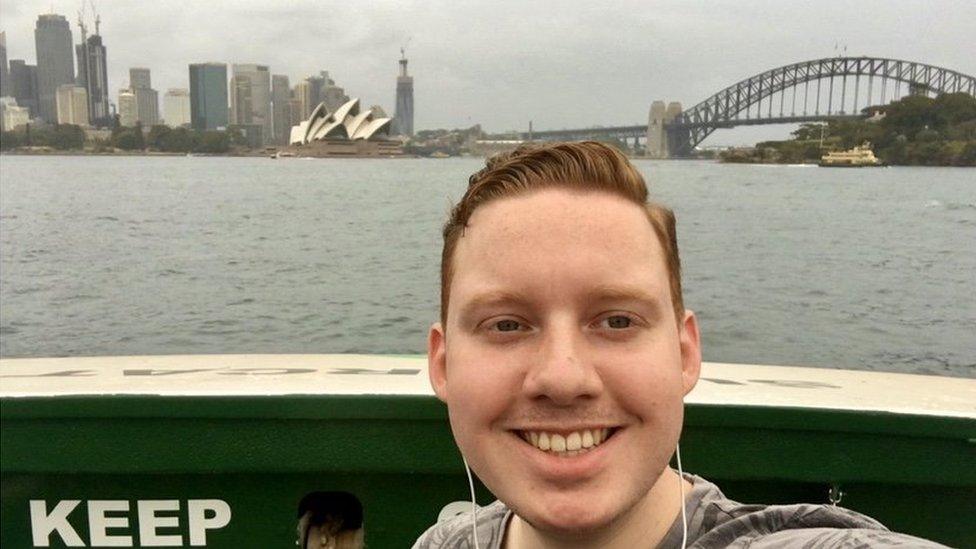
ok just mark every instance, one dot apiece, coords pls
pixel 562 371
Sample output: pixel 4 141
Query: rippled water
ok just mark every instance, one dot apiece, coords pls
pixel 870 269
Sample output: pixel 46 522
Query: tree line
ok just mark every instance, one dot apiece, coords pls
pixel 67 137
pixel 916 130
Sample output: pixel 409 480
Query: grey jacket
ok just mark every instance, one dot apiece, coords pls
pixel 714 521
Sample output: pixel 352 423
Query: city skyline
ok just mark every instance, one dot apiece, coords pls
pixel 587 66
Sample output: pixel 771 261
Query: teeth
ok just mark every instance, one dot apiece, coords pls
pixel 558 443
pixel 543 442
pixel 576 442
pixel 587 439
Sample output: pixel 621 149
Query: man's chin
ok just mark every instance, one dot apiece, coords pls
pixel 568 520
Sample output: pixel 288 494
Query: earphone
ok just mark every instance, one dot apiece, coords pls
pixel 474 505
pixel 681 501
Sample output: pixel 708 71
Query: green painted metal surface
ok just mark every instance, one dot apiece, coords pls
pixel 262 454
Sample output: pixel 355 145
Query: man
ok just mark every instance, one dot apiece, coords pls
pixel 564 352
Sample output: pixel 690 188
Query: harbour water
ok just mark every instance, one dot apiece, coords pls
pixel 868 269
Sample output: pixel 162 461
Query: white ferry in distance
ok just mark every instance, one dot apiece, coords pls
pixel 858 157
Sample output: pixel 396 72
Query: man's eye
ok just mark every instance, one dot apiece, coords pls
pixel 507 325
pixel 618 322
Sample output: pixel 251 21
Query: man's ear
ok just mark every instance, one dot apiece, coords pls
pixel 690 351
pixel 437 361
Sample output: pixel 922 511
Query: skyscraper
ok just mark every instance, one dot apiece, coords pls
pixel 403 116
pixel 128 108
pixel 93 76
pixel 4 74
pixel 139 77
pixel 280 119
pixel 147 99
pixel 252 105
pixel 208 95
pixel 176 107
pixel 23 85
pixel 72 105
pixel 55 61
pixel 306 100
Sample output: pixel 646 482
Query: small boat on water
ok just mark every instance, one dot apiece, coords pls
pixel 858 157
pixel 227 450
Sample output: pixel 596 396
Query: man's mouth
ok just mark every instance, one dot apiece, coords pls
pixel 567 444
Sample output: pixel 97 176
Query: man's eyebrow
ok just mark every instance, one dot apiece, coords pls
pixel 627 293
pixel 491 297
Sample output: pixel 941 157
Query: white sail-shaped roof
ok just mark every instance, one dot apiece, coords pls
pixel 297 136
pixel 353 123
pixel 318 117
pixel 377 126
pixel 349 108
pixel 345 123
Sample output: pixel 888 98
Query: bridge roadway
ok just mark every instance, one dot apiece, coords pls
pixel 640 132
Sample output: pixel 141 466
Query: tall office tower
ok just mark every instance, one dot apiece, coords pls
pixel 55 61
pixel 208 96
pixel 139 77
pixel 176 107
pixel 72 105
pixel 254 104
pixel 403 116
pixel 23 85
pixel 93 76
pixel 240 101
pixel 280 96
pixel 147 99
pixel 128 108
pixel 4 74
pixel 306 101
pixel 294 113
pixel 334 97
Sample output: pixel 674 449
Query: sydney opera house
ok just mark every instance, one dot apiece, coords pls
pixel 345 132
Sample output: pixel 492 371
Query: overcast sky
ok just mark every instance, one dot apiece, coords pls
pixel 503 63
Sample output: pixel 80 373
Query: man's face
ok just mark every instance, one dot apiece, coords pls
pixel 561 326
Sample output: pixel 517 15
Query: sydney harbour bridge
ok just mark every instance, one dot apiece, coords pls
pixel 809 91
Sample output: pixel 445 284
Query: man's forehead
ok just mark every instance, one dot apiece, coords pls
pixel 595 241
pixel 558 214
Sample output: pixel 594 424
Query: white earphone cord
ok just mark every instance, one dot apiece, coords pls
pixel 681 491
pixel 474 505
pixel 681 501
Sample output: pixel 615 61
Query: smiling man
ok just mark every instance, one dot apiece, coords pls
pixel 564 352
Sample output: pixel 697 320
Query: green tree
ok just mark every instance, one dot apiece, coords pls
pixel 11 140
pixel 213 142
pixel 157 136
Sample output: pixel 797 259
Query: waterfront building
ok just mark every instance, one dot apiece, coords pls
pixel 176 107
pixel 128 107
pixel 71 102
pixel 12 115
pixel 93 76
pixel 343 132
pixel 403 115
pixel 294 113
pixel 147 99
pixel 55 61
pixel 208 96
pixel 23 85
pixel 303 95
pixel 280 119
pixel 140 78
pixel 250 90
pixel 4 73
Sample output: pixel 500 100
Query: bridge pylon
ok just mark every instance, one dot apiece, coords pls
pixel 657 136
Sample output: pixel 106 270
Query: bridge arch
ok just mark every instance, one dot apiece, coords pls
pixel 725 108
